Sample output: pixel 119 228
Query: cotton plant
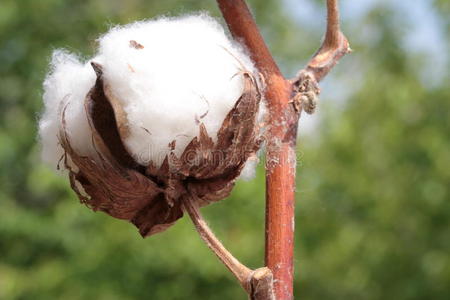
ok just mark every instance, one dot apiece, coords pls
pixel 167 110
pixel 170 112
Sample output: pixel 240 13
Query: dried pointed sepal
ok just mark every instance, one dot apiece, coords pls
pixel 212 168
pixel 236 139
pixel 122 193
pixel 102 95
pixel 119 113
pixel 211 190
pixel 108 122
pixel 157 216
pixel 238 135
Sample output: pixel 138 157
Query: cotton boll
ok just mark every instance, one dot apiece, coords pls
pixel 66 86
pixel 157 83
pixel 169 74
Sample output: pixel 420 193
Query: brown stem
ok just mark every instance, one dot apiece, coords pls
pixel 280 167
pixel 282 132
pixel 257 283
pixel 333 26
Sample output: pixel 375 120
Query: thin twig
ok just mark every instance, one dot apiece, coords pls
pixel 333 48
pixel 241 272
pixel 333 26
pixel 257 283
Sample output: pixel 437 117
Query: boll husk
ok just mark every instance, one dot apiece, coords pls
pixel 168 109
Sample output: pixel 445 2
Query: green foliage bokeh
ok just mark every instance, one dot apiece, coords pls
pixel 373 199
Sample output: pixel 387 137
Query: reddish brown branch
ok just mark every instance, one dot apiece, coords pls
pixel 257 283
pixel 334 47
pixel 241 272
pixel 333 26
pixel 282 131
pixel 280 164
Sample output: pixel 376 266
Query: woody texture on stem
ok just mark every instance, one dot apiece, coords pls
pixel 286 99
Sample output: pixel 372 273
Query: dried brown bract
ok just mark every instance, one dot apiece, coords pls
pixel 148 196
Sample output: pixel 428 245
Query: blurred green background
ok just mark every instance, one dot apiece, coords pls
pixel 373 198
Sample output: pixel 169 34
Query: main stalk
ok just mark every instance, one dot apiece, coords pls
pixel 280 164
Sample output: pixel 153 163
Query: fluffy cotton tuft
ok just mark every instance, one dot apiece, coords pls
pixel 186 70
pixel 168 74
pixel 66 85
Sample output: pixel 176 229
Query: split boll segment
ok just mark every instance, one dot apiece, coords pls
pixel 168 109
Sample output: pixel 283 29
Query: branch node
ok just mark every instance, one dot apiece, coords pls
pixel 306 91
pixel 261 284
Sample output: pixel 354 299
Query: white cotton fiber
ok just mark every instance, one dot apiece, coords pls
pixel 249 170
pixel 168 73
pixel 66 86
